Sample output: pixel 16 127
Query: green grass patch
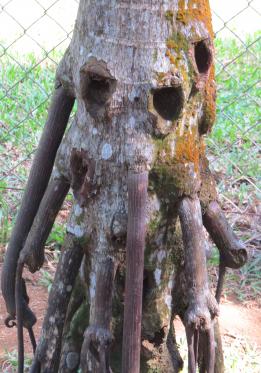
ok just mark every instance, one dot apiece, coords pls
pixel 26 83
pixel 239 355
pixel 237 132
pixel 10 362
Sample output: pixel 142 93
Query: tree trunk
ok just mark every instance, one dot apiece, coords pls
pixel 143 76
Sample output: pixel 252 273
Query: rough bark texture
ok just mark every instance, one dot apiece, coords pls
pixel 232 252
pixel 32 253
pixel 143 76
pixel 137 190
pixel 49 347
pixel 59 112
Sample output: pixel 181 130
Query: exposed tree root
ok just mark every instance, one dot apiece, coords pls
pixel 49 347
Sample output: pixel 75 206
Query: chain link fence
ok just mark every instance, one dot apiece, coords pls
pixel 33 37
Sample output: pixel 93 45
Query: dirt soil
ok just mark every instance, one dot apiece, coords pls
pixel 38 299
pixel 236 320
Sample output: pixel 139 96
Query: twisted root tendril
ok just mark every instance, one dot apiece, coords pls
pixel 10 322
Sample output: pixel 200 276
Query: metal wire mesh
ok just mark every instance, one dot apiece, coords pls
pixel 33 37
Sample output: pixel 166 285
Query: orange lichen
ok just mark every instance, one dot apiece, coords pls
pixel 182 15
pixel 198 10
pixel 188 150
pixel 171 44
pixel 171 57
pixel 161 77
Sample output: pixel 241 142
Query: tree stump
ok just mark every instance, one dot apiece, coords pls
pixel 142 74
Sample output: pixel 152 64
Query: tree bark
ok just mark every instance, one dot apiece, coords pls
pixel 59 112
pixel 137 188
pixel 48 350
pixel 143 76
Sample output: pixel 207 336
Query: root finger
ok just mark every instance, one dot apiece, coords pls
pixel 210 350
pixel 232 250
pixel 191 354
pixel 37 182
pixel 196 343
pixel 48 351
pixel 33 250
pixel 19 315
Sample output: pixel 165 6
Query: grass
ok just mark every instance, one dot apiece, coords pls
pixel 24 96
pixel 10 361
pixel 234 143
pixel 46 279
pixel 25 89
pixel 57 235
pixel 239 355
pixel 246 282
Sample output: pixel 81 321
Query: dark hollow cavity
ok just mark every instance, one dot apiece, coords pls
pixel 97 86
pixel 148 283
pixel 78 168
pixel 203 56
pixel 168 102
pixel 158 338
pixel 99 89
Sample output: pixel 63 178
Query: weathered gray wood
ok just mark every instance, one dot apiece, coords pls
pixel 54 129
pixel 47 355
pixel 97 336
pixel 137 199
pixel 32 253
pixel 202 308
pixel 232 251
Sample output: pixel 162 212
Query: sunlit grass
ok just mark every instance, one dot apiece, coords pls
pixel 239 355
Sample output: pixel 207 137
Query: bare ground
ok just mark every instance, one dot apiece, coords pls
pixel 237 321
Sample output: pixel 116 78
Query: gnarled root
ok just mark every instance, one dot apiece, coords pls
pixel 201 311
pixel 171 342
pixel 24 316
pixel 77 320
pixel 73 339
pixel 200 333
pixel 206 348
pixel 97 337
pixel 97 342
pixel 202 308
pixel 33 255
pixel 49 347
pixel 37 182
pixel 233 253
pixel 33 250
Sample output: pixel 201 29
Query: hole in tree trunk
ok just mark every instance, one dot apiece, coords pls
pixel 158 337
pixel 99 89
pixel 168 102
pixel 203 56
pixel 97 86
pixel 78 168
pixel 148 283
